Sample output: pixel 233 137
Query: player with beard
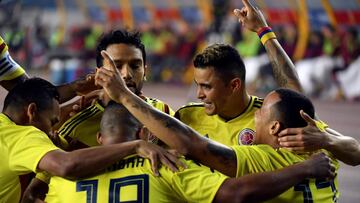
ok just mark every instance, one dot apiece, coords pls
pixel 129 55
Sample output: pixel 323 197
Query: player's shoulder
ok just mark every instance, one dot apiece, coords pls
pixel 159 104
pixel 80 117
pixel 154 101
pixel 192 106
pixel 189 109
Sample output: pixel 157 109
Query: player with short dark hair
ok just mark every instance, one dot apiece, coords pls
pixel 227 111
pixel 289 105
pixel 129 55
pixel 225 60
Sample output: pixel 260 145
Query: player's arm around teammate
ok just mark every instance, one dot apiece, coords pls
pixel 311 138
pixel 250 188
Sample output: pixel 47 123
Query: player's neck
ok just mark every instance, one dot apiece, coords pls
pixel 273 141
pixel 16 117
pixel 238 106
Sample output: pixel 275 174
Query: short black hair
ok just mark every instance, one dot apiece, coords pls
pixel 287 110
pixel 33 90
pixel 225 59
pixel 117 37
pixel 116 117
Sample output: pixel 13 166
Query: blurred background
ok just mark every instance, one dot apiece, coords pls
pixel 60 36
pixel 57 40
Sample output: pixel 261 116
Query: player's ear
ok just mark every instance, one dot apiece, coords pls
pixel 235 84
pixel 99 138
pixel 31 112
pixel 275 128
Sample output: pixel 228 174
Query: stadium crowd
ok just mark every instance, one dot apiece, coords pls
pixel 334 50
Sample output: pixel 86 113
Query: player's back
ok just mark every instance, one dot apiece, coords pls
pixel 131 180
pixel 262 158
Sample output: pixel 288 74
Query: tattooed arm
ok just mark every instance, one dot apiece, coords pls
pixel 283 68
pixel 170 130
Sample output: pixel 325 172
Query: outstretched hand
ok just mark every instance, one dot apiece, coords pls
pixel 250 17
pixel 110 79
pixel 309 138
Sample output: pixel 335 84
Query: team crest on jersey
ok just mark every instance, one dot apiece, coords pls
pixel 246 137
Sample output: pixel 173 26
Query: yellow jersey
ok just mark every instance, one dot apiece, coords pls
pixel 21 149
pixel 84 126
pixel 237 131
pixel 261 158
pixel 9 69
pixel 132 180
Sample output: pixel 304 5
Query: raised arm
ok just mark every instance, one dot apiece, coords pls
pixel 311 138
pixel 263 186
pixel 283 68
pixel 170 130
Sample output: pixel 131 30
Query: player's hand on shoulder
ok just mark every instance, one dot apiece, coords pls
pixel 158 156
pixel 319 166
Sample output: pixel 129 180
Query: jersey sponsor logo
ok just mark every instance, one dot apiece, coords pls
pixel 246 137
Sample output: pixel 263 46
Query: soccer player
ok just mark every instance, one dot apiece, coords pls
pixel 227 111
pixel 11 73
pixel 129 55
pixel 30 110
pixel 280 110
pixel 131 180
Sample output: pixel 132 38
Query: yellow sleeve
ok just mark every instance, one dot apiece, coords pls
pixel 43 176
pixel 28 151
pixel 9 69
pixel 196 183
pixel 250 159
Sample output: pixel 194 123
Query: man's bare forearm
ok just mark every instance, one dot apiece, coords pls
pixel 85 162
pixel 9 84
pixel 283 68
pixel 344 148
pixel 181 137
pixel 250 188
pixel 66 92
